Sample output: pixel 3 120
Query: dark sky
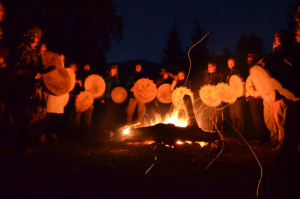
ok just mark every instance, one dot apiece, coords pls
pixel 147 24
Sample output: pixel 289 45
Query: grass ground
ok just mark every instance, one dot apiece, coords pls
pixel 86 166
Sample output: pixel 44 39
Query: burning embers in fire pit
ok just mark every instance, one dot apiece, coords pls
pixel 177 128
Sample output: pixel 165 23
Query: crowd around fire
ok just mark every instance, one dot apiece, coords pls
pixel 37 88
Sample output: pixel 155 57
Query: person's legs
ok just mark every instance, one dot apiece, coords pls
pixel 130 110
pixel 141 111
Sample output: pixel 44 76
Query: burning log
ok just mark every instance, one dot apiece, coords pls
pixel 169 133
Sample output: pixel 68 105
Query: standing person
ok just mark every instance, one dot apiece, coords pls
pixel 26 66
pixel 54 116
pixel 87 115
pixel 111 81
pixel 256 109
pixel 236 110
pixel 211 76
pixel 210 117
pixel 132 100
pixel 165 77
pixel 284 67
pixel 180 80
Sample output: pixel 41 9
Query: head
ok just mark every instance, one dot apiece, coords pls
pixel 211 67
pixel 163 71
pixel 74 66
pixel 138 68
pixel 113 71
pixel 231 63
pixel 181 75
pixel 33 36
pixel 282 37
pixel 165 76
pixel 252 59
pixel 87 67
pixel 43 47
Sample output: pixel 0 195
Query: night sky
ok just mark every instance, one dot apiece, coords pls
pixel 147 24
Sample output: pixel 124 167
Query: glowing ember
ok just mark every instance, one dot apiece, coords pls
pixel 126 131
pixel 179 142
pixel 202 144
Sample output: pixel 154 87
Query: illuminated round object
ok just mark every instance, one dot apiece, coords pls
pixel 95 84
pixel 51 58
pixel 144 90
pixel 209 95
pixel 164 93
pixel 261 80
pixel 226 93
pixel 178 94
pixel 57 81
pixel 119 94
pixel 237 86
pixel 84 101
pixel 56 104
pixel 72 75
pixel 250 89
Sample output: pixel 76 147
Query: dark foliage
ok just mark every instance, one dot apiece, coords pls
pixel 290 14
pixel 249 44
pixel 81 29
pixel 173 55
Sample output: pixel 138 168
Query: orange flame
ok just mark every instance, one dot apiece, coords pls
pixel 178 117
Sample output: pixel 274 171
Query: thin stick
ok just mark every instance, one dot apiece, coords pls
pixel 261 169
pixel 222 145
pixel 155 159
pixel 188 54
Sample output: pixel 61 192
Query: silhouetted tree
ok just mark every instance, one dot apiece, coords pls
pixel 249 44
pixel 290 14
pixel 173 55
pixel 81 29
pixel 227 53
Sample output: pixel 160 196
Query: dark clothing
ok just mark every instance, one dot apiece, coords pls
pixel 256 109
pixel 161 81
pixel 111 83
pixel 132 80
pixel 287 75
pixel 28 94
pixel 228 73
pixel 210 78
pixel 110 107
pixel 237 109
pixel 182 83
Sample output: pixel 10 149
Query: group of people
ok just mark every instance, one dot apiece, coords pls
pixel 25 102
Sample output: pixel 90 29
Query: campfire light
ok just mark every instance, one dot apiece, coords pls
pixel 179 142
pixel 189 142
pixel 176 118
pixel 202 144
pixel 126 131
